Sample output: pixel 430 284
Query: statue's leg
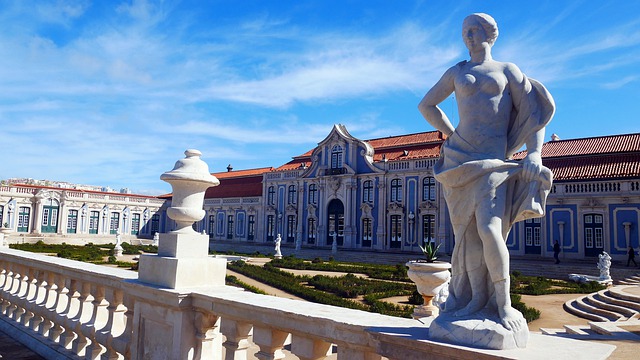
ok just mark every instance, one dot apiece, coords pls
pixel 490 215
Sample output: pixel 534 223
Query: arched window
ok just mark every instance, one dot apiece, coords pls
pixel 313 194
pixel 367 191
pixel 428 188
pixel 396 190
pixel 336 157
pixel 291 199
pixel 271 193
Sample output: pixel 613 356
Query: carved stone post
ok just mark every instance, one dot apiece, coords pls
pixel 169 328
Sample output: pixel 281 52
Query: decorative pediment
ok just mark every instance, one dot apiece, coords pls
pixel 593 203
pixel 270 209
pixel 366 209
pixel 427 205
pixel 395 207
pixel 334 184
pixel 311 210
pixel 291 208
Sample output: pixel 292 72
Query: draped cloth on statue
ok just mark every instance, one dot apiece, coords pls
pixel 467 182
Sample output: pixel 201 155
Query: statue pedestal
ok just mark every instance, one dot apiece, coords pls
pixel 182 261
pixel 480 330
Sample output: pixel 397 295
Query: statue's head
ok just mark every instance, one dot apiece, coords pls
pixel 487 22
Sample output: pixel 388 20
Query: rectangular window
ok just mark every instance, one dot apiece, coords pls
pixel 135 224
pixel 45 217
pixel 23 219
pixel 599 243
pixel 1 215
pixel 588 237
pixel 240 225
pixel 94 218
pixel 72 221
pixel 428 229
pixel 313 194
pixel 291 228
pixel 54 217
pixel 367 232
pixel 396 231
pixel 536 236
pixel 155 223
pixel 311 231
pixel 115 223
pixel 230 227
pixel 251 228
pixel 528 236
pixel 212 224
pixel 271 228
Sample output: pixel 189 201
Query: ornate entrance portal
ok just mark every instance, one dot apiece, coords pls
pixel 335 212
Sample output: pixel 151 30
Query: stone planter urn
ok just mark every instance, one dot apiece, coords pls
pixel 430 278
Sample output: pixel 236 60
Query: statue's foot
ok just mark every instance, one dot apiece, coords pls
pixel 472 307
pixel 511 318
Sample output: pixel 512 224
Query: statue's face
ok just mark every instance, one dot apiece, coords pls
pixel 474 35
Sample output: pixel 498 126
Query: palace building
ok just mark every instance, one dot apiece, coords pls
pixel 369 195
pixel 380 195
pixel 75 215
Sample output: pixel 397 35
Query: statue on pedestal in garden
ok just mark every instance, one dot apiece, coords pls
pixel 501 110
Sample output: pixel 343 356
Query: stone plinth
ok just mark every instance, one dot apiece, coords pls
pixel 182 261
pixel 481 330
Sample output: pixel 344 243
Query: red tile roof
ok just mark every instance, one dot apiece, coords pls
pixel 241 183
pixel 602 157
pixel 589 146
pixel 617 166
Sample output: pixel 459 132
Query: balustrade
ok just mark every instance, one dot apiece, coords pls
pixel 78 310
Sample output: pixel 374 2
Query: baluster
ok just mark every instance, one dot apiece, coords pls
pixel 69 313
pixel 237 334
pixel 307 348
pixel 208 337
pixel 14 286
pixel 57 307
pixel 35 304
pixel 82 316
pixel 20 293
pixel 94 324
pixel 270 342
pixel 120 341
pixel 47 303
pixel 116 322
pixel 348 353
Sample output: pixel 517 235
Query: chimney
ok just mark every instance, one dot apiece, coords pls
pixel 229 168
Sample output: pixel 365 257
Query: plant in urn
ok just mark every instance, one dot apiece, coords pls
pixel 189 179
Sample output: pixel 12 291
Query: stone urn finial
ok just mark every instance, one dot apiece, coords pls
pixel 190 178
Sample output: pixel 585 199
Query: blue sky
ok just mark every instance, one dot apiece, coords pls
pixel 111 93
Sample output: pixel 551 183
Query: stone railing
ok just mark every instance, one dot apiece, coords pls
pixel 75 309
pixel 66 309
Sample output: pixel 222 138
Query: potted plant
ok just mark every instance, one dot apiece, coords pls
pixel 430 276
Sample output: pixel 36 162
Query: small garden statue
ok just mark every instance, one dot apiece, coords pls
pixel 117 250
pixel 277 248
pixel 604 263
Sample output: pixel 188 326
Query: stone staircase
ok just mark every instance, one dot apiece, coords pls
pixel 613 312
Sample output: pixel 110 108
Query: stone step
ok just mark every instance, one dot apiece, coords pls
pixel 549 331
pixel 600 301
pixel 620 293
pixel 571 306
pixel 607 296
pixel 584 330
pixel 583 304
